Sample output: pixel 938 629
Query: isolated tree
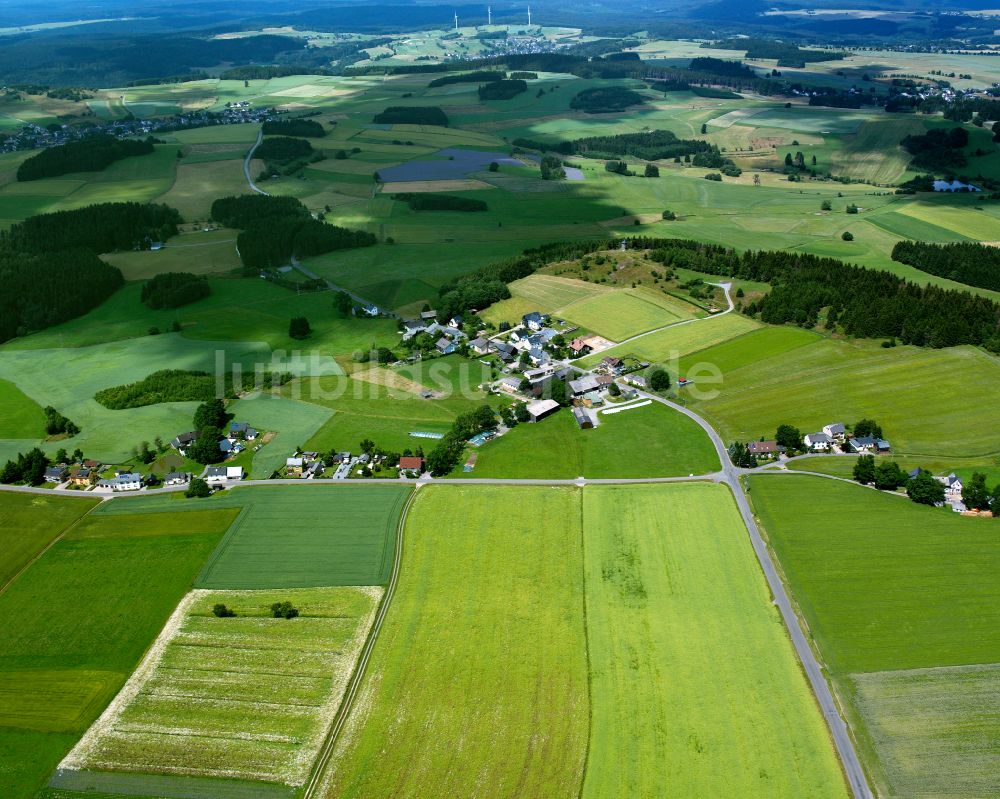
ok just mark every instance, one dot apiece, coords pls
pixel 864 428
pixel 367 446
pixel 342 303
pixel 659 379
pixel 494 166
pixel 924 489
pixel 800 160
pixel 788 159
pixel 670 216
pixel 814 160
pixel 788 437
pixel 614 390
pixel 851 209
pixel 222 611
pixel 847 236
pixel 864 469
pixel 298 327
pixel 652 171
pixel 205 449
pixel 211 414
pixel 975 494
pixel 146 455
pixel 826 205
pixel 198 488
pixel 888 476
pixel 704 128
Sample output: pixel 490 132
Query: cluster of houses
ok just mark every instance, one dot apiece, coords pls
pixel 232 444
pixel 311 465
pixel 832 438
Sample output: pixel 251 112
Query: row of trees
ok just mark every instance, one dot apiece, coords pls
pixel 923 488
pixel 174 289
pixel 502 89
pixel 411 115
pixel 965 262
pixel 439 202
pixel 92 154
pixel 56 424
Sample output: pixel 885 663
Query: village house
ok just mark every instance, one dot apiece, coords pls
pixel 429 316
pixel 56 474
pixel 538 375
pixel 868 444
pixel 638 381
pixel 612 364
pixel 294 466
pixel 445 346
pixel 411 327
pixel 504 350
pixel 818 442
pixel 177 478
pixel 512 385
pixel 82 477
pixel 219 475
pixel 952 487
pixel 411 463
pixel 183 441
pixel 242 431
pixel 534 320
pixel 582 385
pixel 479 345
pixel 579 347
pixel 835 430
pixel 455 322
pixel 763 449
pixel 313 469
pixel 123 481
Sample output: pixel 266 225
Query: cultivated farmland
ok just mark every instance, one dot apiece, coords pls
pixel 479 675
pixel 904 607
pixel 300 536
pixel 248 697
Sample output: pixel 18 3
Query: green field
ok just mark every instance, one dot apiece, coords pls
pixel 29 523
pixel 929 402
pixel 622 314
pixel 184 711
pixel 494 626
pixel 20 416
pixel 76 622
pixel 304 536
pixel 479 675
pixel 903 606
pixel 675 600
pixel 651 441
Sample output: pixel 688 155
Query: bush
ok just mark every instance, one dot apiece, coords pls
pixel 652 171
pixel 222 611
pixel 825 205
pixel 174 289
pixel 198 488
pixel 847 236
pixel 284 610
pixel 670 216
pixel 713 176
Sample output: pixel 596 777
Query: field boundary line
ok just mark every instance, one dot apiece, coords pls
pixel 223 545
pixel 586 650
pixel 354 684
pixel 66 530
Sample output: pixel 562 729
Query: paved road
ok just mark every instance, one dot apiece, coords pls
pixel 249 158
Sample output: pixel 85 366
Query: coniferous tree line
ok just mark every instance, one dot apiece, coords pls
pixel 650 145
pixel 309 128
pixel 174 289
pixel 102 228
pixel 421 201
pixel 502 89
pixel 964 262
pixel 276 228
pixel 606 99
pixel 479 76
pixel 282 149
pixel 181 385
pixel 411 115
pixel 87 155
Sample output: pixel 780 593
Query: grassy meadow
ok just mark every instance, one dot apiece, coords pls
pixel 651 441
pixel 902 605
pixel 76 622
pixel 675 600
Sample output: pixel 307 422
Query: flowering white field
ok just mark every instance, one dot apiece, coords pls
pixel 248 697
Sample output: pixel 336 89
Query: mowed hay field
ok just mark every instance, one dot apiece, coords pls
pixel 29 523
pixel 75 623
pixel 480 674
pixel 299 536
pixel 676 604
pixel 929 402
pixel 904 606
pixel 620 314
pixel 20 416
pixel 478 681
pixel 249 697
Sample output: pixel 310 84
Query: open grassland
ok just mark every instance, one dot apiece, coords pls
pixel 20 416
pixel 479 675
pixel 29 523
pixel 249 697
pixel 296 537
pixel 675 601
pixel 620 314
pixel 929 402
pixel 651 441
pixel 200 252
pixel 75 623
pixel 745 350
pixel 668 345
pixel 902 603
pixel 902 586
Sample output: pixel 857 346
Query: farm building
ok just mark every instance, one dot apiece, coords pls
pixel 510 384
pixel 124 481
pixel 869 444
pixel 183 441
pixel 583 419
pixel 583 385
pixel 177 478
pixel 763 448
pixel 636 380
pixel 818 442
pixel 216 475
pixel 835 430
pixel 540 409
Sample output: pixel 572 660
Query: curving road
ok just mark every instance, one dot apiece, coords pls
pixel 249 158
